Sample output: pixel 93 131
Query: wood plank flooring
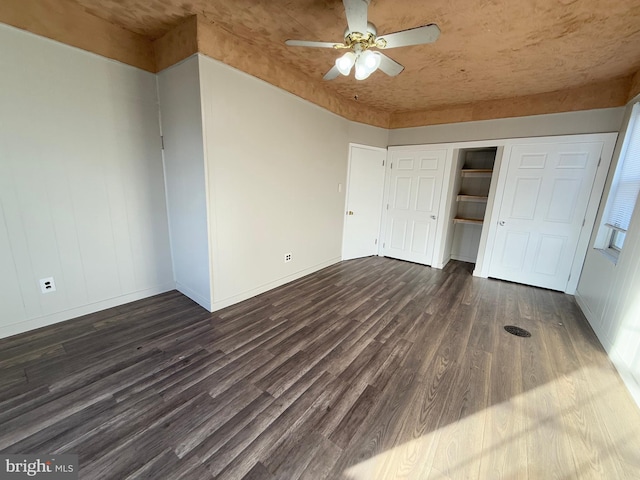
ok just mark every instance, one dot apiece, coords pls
pixel 370 369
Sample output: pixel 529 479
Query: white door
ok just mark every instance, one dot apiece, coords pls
pixel 542 212
pixel 365 188
pixel 415 185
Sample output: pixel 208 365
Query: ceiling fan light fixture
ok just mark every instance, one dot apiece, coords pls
pixel 345 63
pixel 366 63
pixel 360 36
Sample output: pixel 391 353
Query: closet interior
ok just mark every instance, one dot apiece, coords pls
pixel 473 180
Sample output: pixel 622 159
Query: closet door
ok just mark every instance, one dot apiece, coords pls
pixel 542 212
pixel 415 186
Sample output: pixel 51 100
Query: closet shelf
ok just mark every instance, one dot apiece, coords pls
pixel 472 198
pixel 476 172
pixel 473 221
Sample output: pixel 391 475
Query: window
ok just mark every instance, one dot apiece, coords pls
pixel 625 187
pixel 617 239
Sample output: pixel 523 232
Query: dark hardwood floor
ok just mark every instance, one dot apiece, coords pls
pixel 369 369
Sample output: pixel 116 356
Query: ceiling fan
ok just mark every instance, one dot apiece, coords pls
pixel 360 38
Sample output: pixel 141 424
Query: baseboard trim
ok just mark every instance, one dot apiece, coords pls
pixel 227 302
pixel 586 311
pixel 46 320
pixel 627 376
pixel 441 265
pixel 196 297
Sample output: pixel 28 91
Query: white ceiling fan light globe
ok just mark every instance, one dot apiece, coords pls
pixel 344 64
pixel 371 60
pixel 362 73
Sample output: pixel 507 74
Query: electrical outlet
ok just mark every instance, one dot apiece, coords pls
pixel 287 257
pixel 47 285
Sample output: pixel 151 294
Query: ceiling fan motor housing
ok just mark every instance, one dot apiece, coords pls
pixel 365 40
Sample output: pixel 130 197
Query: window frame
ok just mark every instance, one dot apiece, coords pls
pixel 608 239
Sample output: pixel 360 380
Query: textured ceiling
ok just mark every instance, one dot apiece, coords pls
pixel 488 49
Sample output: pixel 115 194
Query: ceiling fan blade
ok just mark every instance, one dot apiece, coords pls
pixel 305 43
pixel 413 36
pixel 356 11
pixel 331 74
pixel 389 66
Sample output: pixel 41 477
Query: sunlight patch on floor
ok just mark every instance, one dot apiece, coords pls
pixel 569 428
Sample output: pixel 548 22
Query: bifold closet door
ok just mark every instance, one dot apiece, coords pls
pixel 415 186
pixel 542 212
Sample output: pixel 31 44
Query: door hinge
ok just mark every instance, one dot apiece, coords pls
pixel 375 242
pixel 162 142
pixel 583 221
pixel 384 244
pixel 383 163
pixel 599 160
pixel 569 278
pixel 391 166
pixel 387 206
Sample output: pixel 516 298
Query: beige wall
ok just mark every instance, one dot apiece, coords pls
pixel 588 121
pixel 262 181
pixel 274 164
pixel 368 135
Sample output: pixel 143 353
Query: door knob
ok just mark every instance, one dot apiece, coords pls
pixel 501 223
pixel 433 217
pixel 349 212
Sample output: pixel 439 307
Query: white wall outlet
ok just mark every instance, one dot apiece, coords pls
pixel 287 257
pixel 47 285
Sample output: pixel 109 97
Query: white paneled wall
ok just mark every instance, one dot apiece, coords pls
pixel 81 183
pixel 609 294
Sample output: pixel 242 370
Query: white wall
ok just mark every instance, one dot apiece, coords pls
pixel 81 183
pixel 274 164
pixel 185 173
pixel 569 123
pixel 609 294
